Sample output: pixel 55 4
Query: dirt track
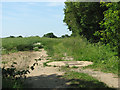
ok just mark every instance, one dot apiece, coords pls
pixel 49 77
pixel 45 77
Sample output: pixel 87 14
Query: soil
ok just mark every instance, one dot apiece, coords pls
pixel 23 59
pixel 50 77
pixel 109 79
pixel 45 77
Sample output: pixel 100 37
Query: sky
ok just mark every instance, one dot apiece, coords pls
pixel 33 19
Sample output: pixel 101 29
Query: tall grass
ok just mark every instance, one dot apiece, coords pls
pixel 19 44
pixel 102 55
pixel 79 48
pixel 24 44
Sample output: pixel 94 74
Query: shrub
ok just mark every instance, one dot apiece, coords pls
pixel 24 47
pixel 50 35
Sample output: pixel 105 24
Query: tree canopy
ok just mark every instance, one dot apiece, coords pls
pixel 50 35
pixel 96 21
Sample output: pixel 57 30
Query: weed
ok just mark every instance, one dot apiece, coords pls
pixel 54 66
pixel 39 59
pixel 45 64
pixel 36 60
pixel 11 77
pixel 4 62
pixel 36 49
pixel 75 67
pixel 67 65
pixel 80 49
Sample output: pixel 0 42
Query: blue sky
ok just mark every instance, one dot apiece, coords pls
pixel 33 18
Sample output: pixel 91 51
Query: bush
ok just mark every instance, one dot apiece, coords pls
pixel 19 36
pixel 11 77
pixel 24 47
pixel 50 35
pixel 11 37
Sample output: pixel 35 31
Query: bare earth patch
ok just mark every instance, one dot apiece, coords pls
pixel 45 77
pixel 70 63
pixel 23 59
pixel 109 79
pixel 50 77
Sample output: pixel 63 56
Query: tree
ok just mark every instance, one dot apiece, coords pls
pixel 50 35
pixel 11 37
pixel 19 36
pixel 65 36
pixel 83 18
pixel 110 34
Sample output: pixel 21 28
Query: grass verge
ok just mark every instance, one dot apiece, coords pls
pixel 82 80
pixel 79 48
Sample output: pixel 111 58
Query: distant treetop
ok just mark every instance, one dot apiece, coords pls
pixel 50 35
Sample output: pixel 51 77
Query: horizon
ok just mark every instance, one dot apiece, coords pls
pixel 33 19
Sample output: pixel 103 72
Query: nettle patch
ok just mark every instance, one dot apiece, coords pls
pixel 37 46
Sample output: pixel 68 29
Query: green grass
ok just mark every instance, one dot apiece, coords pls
pixel 102 56
pixel 24 44
pixel 45 63
pixel 81 80
pixel 18 44
pixel 75 67
pixel 79 48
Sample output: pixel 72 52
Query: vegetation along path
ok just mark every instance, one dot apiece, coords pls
pixel 51 77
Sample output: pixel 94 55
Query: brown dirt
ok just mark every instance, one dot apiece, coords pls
pixel 23 59
pixel 45 77
pixel 109 79
pixel 50 77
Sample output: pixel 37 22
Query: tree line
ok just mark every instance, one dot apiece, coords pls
pixel 96 21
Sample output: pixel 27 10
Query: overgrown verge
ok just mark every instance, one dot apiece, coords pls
pixel 102 55
pixel 79 48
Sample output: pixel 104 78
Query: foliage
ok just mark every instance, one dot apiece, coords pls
pixel 50 35
pixel 110 33
pixel 82 18
pixel 65 36
pixel 96 21
pixel 19 36
pixel 12 78
pixel 77 47
pixel 11 37
pixel 81 50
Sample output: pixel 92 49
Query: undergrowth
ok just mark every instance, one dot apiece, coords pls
pixel 79 48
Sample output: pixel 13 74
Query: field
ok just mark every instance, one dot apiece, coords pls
pixel 78 48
